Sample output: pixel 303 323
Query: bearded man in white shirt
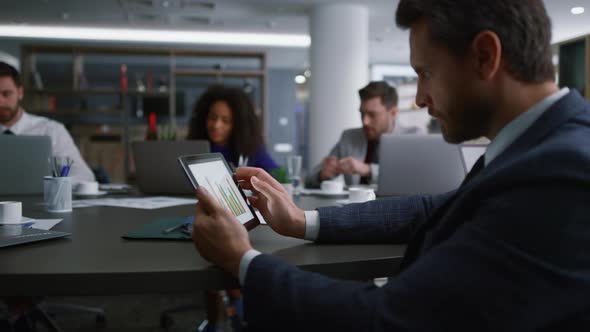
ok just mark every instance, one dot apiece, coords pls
pixel 15 121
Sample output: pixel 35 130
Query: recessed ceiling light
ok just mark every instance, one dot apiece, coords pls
pixel 300 79
pixel 155 36
pixel 577 10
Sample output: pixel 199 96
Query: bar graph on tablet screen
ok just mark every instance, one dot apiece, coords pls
pixel 215 177
pixel 227 196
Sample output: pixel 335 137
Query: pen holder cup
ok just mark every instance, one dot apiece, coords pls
pixel 58 194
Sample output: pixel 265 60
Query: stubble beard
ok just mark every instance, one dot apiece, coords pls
pixel 12 112
pixel 470 120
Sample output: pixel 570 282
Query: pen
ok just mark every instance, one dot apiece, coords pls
pixel 173 228
pixel 64 171
pixel 70 163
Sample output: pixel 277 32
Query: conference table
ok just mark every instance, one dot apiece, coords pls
pixel 96 260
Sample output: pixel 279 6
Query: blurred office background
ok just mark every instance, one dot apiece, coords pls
pixel 301 61
pixel 305 93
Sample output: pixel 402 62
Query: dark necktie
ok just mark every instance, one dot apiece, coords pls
pixel 477 167
pixel 8 132
pixel 369 158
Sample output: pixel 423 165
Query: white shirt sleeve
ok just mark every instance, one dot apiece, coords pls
pixel 63 146
pixel 312 230
pixel 245 263
pixel 374 173
pixel 312 225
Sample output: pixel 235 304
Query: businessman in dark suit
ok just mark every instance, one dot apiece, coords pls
pixel 507 251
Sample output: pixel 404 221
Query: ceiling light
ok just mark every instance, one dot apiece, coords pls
pixel 156 36
pixel 577 10
pixel 300 79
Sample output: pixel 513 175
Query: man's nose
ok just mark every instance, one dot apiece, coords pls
pixel 365 120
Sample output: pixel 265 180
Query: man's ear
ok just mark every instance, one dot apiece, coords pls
pixel 487 54
pixel 393 111
pixel 20 93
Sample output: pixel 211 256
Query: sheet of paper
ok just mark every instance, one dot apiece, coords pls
pixel 114 186
pixel 82 203
pixel 23 221
pixel 45 224
pixel 146 203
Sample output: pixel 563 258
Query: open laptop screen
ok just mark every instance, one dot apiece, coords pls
pixel 24 161
pixel 418 164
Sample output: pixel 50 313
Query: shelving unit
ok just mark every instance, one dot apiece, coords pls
pixel 81 85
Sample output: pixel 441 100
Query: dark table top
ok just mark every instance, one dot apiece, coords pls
pixel 95 260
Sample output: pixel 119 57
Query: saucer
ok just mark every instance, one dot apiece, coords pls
pixel 98 193
pixel 22 221
pixel 320 192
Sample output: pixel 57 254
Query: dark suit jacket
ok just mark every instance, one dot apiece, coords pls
pixel 508 251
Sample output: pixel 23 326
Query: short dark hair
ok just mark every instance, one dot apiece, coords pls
pixel 8 70
pixel 246 136
pixel 523 26
pixel 382 90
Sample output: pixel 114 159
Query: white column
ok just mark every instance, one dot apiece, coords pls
pixel 339 58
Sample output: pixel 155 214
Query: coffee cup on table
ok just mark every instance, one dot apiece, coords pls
pixel 332 187
pixel 360 195
pixel 86 188
pixel 11 212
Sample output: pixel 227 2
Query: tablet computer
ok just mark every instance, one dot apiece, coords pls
pixel 211 171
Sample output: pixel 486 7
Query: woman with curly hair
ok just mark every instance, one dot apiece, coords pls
pixel 225 117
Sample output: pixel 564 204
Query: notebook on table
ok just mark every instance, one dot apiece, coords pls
pixel 418 164
pixel 157 168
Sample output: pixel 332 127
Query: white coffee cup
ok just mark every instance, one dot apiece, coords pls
pixel 360 195
pixel 86 187
pixel 11 212
pixel 332 187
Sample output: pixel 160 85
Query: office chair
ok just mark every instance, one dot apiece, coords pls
pixel 53 309
pixel 214 300
pixel 26 314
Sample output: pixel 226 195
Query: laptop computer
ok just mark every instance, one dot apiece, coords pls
pixel 11 235
pixel 157 168
pixel 24 161
pixel 418 164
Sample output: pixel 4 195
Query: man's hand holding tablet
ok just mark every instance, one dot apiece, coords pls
pixel 217 234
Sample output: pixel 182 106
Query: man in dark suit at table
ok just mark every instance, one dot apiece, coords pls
pixel 507 251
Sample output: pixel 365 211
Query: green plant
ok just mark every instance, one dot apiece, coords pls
pixel 280 174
